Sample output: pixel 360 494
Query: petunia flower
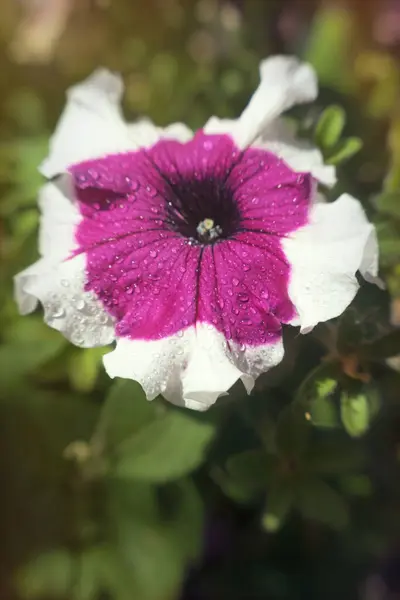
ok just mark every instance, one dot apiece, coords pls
pixel 190 250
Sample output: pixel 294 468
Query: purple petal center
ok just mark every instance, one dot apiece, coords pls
pixel 180 234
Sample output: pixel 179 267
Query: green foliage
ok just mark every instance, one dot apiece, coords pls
pixel 330 126
pixel 328 132
pixel 169 447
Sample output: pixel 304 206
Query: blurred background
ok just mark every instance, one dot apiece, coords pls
pixel 292 494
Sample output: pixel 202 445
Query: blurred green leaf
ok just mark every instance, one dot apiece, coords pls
pixel 389 242
pixel 330 126
pixel 162 540
pixel 125 412
pixel 187 525
pixel 327 46
pixel 355 413
pixel 83 368
pixel 389 203
pixel 169 447
pixel 344 151
pixel 323 410
pixel 332 456
pixel 292 430
pixel 356 485
pixel 231 487
pixel 280 498
pixel 316 500
pixel 245 474
pixel 88 580
pixel 27 109
pixel 50 574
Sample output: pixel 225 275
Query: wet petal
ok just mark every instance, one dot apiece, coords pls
pixel 92 125
pixel 192 369
pixel 325 256
pixel 300 155
pixel 58 280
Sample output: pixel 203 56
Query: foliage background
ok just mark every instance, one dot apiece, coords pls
pixel 292 493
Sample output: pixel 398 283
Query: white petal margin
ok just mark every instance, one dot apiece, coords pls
pixel 57 280
pixel 92 125
pixel 325 256
pixel 191 368
pixel 285 81
pixel 301 156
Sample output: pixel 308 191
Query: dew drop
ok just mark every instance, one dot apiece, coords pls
pixel 235 281
pixel 152 191
pixel 153 253
pixel 57 311
pixel 243 297
pixel 246 322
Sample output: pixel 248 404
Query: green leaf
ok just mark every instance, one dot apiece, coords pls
pixel 186 526
pixel 330 126
pixel 292 430
pixel 328 44
pixel 232 488
pixel 150 546
pixel 33 343
pixel 333 456
pixel 245 474
pixel 323 410
pixel 169 447
pixel 356 485
pixel 50 574
pixel 125 412
pixel 251 469
pixel 389 203
pixel 280 499
pixel 344 151
pixel 316 500
pixel 117 579
pixel 89 574
pixel 355 413
pixel 389 242
pixel 83 368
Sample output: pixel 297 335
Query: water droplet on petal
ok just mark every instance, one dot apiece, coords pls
pixel 57 311
pixel 243 297
pixel 153 253
pixel 246 322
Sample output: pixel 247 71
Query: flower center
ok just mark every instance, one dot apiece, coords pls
pixel 207 231
pixel 203 209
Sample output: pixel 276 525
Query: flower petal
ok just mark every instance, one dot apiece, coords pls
pixel 92 125
pixel 144 133
pixel 57 279
pixel 67 307
pixel 58 220
pixel 325 256
pixel 300 155
pixel 192 368
pixel 285 81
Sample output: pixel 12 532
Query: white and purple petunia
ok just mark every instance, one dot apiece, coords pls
pixel 191 249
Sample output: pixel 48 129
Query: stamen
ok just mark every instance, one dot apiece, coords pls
pixel 207 231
